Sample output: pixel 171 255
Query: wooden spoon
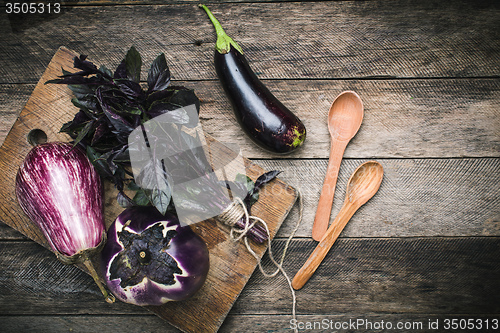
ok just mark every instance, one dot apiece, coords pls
pixel 362 185
pixel 344 120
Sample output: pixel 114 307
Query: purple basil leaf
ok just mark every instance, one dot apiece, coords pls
pixel 103 69
pixel 159 74
pixel 253 193
pixel 160 108
pixel 100 164
pixel 141 198
pixel 87 106
pixel 160 199
pixel 100 132
pixel 132 185
pixel 122 155
pixel 131 89
pixel 73 79
pixel 113 158
pixel 87 67
pixel 236 187
pixel 79 79
pixel 121 71
pixel 185 97
pixel 133 63
pixel 174 101
pixel 81 91
pixel 109 160
pixel 132 110
pixel 67 127
pixel 265 178
pixel 83 133
pixel 154 179
pixel 82 63
pixel 159 96
pixel 80 119
pixel 122 126
pixel 124 201
pixel 248 185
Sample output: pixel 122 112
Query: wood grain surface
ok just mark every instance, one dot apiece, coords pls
pixel 403 118
pixel 418 197
pixel 340 39
pixel 231 265
pixel 450 275
pixel 425 248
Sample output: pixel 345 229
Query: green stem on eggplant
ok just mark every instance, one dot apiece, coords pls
pixel 88 264
pixel 224 42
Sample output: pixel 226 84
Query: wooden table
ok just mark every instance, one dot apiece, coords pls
pixel 426 248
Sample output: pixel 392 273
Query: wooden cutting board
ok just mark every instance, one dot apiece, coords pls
pixel 231 265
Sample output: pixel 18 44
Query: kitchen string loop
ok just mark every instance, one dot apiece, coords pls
pixel 238 210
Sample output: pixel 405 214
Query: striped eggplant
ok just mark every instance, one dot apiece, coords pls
pixel 150 259
pixel 60 191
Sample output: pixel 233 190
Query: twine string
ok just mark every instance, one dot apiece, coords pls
pixel 238 210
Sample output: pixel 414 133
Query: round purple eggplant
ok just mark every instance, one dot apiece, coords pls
pixel 150 259
pixel 60 191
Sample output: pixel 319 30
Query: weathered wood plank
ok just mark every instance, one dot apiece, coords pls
pixel 34 272
pixel 85 324
pixel 439 197
pixel 13 97
pixel 369 276
pixel 8 233
pixel 448 275
pixel 410 118
pixel 241 323
pixel 150 2
pixel 403 118
pixel 422 197
pixel 341 39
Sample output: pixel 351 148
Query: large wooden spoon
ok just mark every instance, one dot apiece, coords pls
pixel 344 120
pixel 362 185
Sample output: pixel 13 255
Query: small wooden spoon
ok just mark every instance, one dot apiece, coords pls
pixel 344 120
pixel 362 185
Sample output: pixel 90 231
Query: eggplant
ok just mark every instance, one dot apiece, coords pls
pixel 150 259
pixel 261 115
pixel 60 191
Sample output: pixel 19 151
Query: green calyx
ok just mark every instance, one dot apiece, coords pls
pixel 224 42
pixel 299 138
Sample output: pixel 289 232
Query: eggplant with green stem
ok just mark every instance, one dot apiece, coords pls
pixel 261 115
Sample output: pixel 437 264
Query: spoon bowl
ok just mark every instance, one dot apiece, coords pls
pixel 345 116
pixel 344 119
pixel 364 182
pixel 362 185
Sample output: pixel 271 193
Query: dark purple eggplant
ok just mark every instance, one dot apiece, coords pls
pixel 150 259
pixel 261 115
pixel 60 191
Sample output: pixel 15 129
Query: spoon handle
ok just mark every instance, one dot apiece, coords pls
pixel 326 198
pixel 321 250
